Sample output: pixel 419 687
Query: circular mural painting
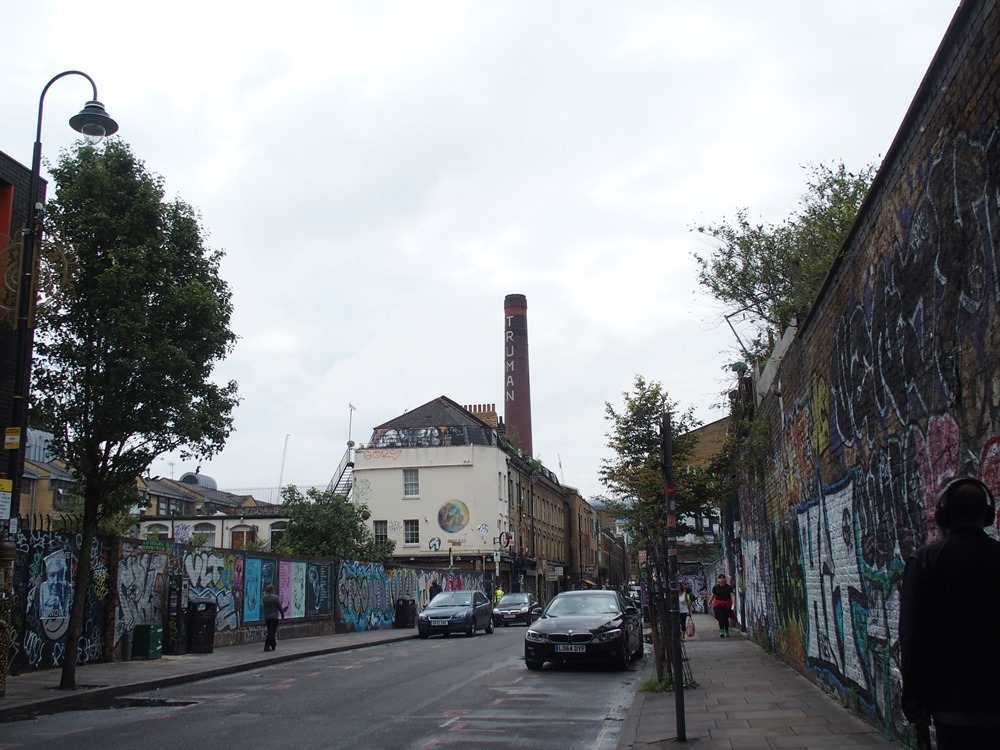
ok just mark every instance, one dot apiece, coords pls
pixel 453 516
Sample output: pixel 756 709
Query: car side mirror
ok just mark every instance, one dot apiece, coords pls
pixel 631 610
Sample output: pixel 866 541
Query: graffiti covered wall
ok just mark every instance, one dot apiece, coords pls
pixel 44 570
pixel 890 386
pixel 129 587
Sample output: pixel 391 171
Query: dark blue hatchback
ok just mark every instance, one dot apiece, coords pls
pixel 456 612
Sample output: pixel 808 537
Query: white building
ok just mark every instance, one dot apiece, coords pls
pixel 442 483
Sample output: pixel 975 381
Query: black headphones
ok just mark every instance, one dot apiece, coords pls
pixel 943 512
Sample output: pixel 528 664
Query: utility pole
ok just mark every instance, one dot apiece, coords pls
pixel 666 455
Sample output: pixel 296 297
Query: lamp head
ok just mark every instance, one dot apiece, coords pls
pixel 93 122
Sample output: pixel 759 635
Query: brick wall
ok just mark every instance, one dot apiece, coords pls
pixel 890 386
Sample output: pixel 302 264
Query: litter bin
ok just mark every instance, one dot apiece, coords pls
pixel 147 643
pixel 406 613
pixel 201 626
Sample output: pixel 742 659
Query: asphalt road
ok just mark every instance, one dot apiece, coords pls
pixel 442 692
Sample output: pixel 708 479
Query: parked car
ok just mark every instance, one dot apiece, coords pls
pixel 516 608
pixel 585 626
pixel 456 612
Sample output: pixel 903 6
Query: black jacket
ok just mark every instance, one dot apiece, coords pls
pixel 272 607
pixel 948 614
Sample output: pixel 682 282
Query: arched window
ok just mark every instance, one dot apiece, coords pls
pixel 208 529
pixel 277 529
pixel 157 531
pixel 241 535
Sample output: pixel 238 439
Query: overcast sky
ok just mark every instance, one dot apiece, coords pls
pixel 381 174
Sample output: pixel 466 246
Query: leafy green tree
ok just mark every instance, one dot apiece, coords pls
pixel 634 477
pixel 127 341
pixel 322 523
pixel 634 474
pixel 775 271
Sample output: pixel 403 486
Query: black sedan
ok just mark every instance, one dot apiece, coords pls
pixel 515 609
pixel 456 612
pixel 585 626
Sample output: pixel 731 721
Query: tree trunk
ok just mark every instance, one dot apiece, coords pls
pixel 81 581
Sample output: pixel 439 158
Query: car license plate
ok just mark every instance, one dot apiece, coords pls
pixel 435 623
pixel 508 615
pixel 563 648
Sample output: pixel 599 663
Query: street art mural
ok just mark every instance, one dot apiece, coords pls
pixel 214 575
pixel 252 590
pixel 135 591
pixel 44 570
pixel 415 583
pixel 319 596
pixel 141 583
pixel 298 591
pixel 453 516
pixel 365 597
pixel 890 390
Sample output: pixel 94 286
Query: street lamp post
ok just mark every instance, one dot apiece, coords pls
pixel 93 122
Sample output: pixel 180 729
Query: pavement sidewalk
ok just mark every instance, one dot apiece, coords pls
pixel 745 700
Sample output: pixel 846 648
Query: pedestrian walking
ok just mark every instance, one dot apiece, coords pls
pixel 435 589
pixel 498 595
pixel 685 606
pixel 948 612
pixel 721 604
pixel 272 611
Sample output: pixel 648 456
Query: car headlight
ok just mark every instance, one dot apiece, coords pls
pixel 608 635
pixel 535 636
pixel 421 617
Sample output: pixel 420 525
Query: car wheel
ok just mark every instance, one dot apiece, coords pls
pixel 641 652
pixel 533 665
pixel 472 628
pixel 489 627
pixel 625 657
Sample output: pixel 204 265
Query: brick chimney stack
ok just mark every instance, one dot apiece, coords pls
pixel 516 380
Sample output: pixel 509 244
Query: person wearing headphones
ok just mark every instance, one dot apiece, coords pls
pixel 948 613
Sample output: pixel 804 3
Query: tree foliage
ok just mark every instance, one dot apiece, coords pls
pixel 634 474
pixel 322 523
pixel 776 271
pixel 127 341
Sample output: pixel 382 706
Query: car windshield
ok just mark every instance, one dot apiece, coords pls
pixel 452 599
pixel 513 600
pixel 583 605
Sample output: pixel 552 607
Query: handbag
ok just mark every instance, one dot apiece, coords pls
pixel 690 627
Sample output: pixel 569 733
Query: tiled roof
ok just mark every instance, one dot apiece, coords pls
pixel 441 412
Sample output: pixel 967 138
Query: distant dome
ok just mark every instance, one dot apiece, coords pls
pixel 201 480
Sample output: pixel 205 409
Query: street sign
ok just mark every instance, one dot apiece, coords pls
pixel 6 493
